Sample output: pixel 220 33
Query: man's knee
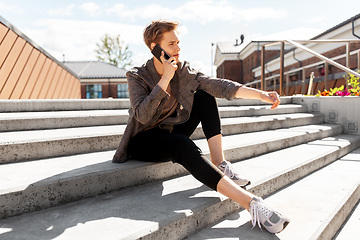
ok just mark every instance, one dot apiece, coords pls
pixel 203 95
pixel 186 148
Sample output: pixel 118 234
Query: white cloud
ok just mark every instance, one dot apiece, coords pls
pixel 140 58
pixel 77 39
pixel 183 30
pixel 92 9
pixel 301 33
pixel 315 19
pixel 199 65
pixel 59 12
pixel 253 14
pixel 202 11
pixel 117 8
pixel 11 8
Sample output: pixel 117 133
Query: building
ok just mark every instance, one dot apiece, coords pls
pixel 99 79
pixel 29 72
pixel 242 63
pixel 236 61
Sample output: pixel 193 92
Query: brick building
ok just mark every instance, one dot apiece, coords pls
pixel 236 61
pixel 99 79
pixel 242 63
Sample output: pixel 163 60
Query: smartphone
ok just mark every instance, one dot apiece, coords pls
pixel 157 52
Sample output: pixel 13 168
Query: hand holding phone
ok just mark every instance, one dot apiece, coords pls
pixel 157 53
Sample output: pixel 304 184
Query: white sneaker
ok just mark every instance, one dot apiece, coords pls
pixel 229 171
pixel 262 214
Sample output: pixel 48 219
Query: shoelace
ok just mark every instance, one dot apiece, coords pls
pixel 254 213
pixel 229 170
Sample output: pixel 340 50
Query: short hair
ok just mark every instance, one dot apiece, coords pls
pixel 154 31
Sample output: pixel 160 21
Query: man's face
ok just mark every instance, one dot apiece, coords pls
pixel 170 43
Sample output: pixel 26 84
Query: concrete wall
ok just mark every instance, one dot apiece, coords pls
pixel 339 110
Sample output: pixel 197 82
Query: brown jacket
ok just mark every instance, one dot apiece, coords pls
pixel 147 98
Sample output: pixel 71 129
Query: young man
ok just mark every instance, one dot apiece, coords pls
pixel 168 101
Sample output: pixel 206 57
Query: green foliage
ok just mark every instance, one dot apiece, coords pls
pixel 335 90
pixel 353 82
pixel 114 51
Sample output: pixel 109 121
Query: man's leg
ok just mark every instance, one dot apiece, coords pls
pixel 205 110
pixel 216 149
pixel 158 145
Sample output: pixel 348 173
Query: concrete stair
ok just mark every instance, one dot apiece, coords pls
pixel 56 157
pixel 319 203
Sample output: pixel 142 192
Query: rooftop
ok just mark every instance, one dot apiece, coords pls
pixel 295 34
pixel 95 70
pixel 337 26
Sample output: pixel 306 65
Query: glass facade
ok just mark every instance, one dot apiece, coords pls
pixel 122 90
pixel 93 91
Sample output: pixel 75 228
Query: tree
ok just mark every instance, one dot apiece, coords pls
pixel 114 51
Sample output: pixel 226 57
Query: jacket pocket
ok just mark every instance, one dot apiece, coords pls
pixel 187 94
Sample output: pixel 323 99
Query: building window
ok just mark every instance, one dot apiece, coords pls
pixel 122 90
pixel 93 91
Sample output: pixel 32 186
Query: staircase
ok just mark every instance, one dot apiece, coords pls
pixel 57 180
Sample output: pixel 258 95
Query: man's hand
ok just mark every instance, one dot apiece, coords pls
pixel 169 66
pixel 271 97
pixel 252 93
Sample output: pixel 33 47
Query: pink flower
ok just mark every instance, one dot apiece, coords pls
pixel 343 93
pixel 339 93
pixel 346 93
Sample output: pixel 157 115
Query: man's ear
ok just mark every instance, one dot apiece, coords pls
pixel 152 45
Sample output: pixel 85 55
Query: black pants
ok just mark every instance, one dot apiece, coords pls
pixel 158 145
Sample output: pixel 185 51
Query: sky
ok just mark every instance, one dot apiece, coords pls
pixel 70 29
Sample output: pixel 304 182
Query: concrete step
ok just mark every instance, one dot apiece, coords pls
pixel 237 125
pixel 20 121
pixel 317 204
pixel 179 207
pixel 46 105
pixel 350 228
pixel 33 185
pixel 246 111
pixel 38 144
pixel 250 102
pixel 43 105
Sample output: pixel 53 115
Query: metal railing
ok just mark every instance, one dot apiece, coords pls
pixel 297 44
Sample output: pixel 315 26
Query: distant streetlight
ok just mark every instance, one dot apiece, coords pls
pixel 212 73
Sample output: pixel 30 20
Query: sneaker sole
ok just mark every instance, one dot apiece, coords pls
pixel 284 226
pixel 244 186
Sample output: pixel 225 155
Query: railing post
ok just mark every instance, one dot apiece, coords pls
pixel 262 67
pixel 287 84
pixel 310 83
pixel 326 75
pixel 303 82
pixel 274 83
pixel 348 55
pixel 281 67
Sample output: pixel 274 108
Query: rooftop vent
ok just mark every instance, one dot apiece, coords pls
pixel 241 39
